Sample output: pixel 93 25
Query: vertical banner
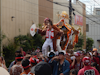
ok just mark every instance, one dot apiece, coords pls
pixel 78 20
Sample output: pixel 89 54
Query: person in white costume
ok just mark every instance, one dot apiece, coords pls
pixel 51 35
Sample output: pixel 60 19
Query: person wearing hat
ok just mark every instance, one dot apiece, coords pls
pixel 51 55
pixel 17 68
pixel 87 69
pixel 60 65
pixel 26 65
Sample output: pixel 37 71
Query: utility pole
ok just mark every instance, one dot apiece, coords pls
pixel 70 12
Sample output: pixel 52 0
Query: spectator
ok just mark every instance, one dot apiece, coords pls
pixel 60 65
pixel 87 69
pixel 2 62
pixel 33 61
pixel 96 59
pixel 77 62
pixel 51 55
pixel 33 54
pixel 14 62
pixel 38 49
pixel 89 54
pixel 23 52
pixel 42 68
pixel 27 56
pixel 17 68
pixel 94 64
pixel 67 57
pixel 17 52
pixel 26 65
pixel 73 72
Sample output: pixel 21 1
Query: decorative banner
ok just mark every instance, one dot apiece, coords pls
pixel 78 20
pixel 32 30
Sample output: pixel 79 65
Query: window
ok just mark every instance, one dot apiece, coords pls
pixel 98 12
pixel 87 27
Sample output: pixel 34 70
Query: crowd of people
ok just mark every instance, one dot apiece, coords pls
pixel 70 63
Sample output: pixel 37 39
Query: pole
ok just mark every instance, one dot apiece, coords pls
pixel 1 29
pixel 70 12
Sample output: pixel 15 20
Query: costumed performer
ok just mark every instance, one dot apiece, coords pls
pixel 51 37
pixel 57 41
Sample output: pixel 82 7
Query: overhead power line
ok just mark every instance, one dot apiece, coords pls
pixel 96 2
pixel 75 10
pixel 84 8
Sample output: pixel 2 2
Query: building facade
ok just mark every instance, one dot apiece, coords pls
pixel 93 30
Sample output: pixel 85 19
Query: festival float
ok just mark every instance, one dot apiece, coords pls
pixel 70 34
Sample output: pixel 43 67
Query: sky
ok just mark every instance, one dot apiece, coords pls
pixel 90 5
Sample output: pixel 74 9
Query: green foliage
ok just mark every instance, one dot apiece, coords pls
pixel 80 43
pixel 89 44
pixel 28 42
pixel 9 53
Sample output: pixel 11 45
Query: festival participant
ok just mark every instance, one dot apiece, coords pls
pixel 94 64
pixel 42 68
pixel 17 68
pixel 60 65
pixel 87 69
pixel 14 62
pixel 57 42
pixel 77 62
pixel 96 59
pixel 67 57
pixel 38 49
pixel 33 61
pixel 23 52
pixel 73 72
pixel 26 65
pixel 51 36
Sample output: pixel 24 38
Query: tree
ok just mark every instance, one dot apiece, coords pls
pixel 9 53
pixel 89 44
pixel 80 43
pixel 28 42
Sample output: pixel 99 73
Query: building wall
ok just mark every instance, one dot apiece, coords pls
pixel 45 10
pixel 58 9
pixel 25 13
pixel 84 26
pixel 94 29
